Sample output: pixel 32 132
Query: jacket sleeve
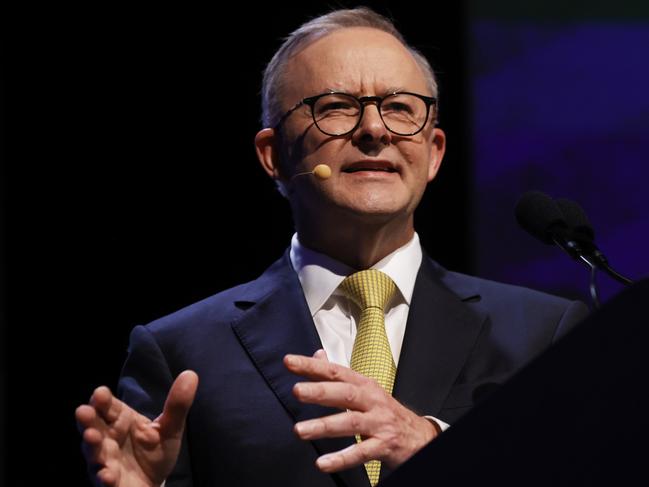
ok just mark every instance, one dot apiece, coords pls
pixel 144 384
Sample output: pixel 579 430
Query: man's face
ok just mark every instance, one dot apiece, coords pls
pixel 376 174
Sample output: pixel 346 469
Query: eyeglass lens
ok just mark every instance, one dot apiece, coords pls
pixel 338 114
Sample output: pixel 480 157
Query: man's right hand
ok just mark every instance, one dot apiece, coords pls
pixel 126 448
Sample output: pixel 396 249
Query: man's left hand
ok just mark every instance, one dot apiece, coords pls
pixel 391 432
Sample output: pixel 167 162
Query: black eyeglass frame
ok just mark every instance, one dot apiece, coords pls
pixel 311 101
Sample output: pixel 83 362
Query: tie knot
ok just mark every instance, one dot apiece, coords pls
pixel 369 289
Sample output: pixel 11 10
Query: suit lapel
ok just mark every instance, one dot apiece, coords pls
pixel 440 334
pixel 278 322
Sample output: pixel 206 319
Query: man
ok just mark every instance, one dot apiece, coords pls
pixel 346 92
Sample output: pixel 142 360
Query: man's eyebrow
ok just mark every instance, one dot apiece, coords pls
pixel 394 89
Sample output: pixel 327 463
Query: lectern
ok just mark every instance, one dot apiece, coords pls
pixel 576 415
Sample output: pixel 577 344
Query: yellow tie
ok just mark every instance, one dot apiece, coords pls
pixel 372 290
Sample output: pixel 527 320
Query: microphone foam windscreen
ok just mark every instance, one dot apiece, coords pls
pixel 539 215
pixel 576 219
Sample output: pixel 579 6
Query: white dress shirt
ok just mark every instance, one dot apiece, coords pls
pixel 335 315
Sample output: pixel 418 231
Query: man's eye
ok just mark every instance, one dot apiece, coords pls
pixel 397 107
pixel 339 105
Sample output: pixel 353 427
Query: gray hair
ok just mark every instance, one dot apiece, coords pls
pixel 274 81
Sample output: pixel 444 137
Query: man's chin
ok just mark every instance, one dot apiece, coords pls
pixel 374 212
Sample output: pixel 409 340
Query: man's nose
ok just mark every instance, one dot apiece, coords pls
pixel 371 127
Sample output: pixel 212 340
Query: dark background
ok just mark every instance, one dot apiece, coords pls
pixel 133 188
pixel 559 102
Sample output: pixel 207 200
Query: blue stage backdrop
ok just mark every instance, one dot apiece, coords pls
pixel 560 103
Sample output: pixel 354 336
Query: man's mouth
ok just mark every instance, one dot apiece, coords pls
pixel 370 166
pixel 374 169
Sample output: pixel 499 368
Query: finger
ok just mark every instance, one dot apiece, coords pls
pixel 351 456
pixel 92 447
pixel 112 415
pixel 180 398
pixel 349 423
pixel 86 417
pixel 321 355
pixel 341 395
pixel 108 406
pixel 93 437
pixel 99 448
pixel 107 477
pixel 316 369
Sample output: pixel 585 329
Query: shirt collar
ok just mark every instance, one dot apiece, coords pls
pixel 320 275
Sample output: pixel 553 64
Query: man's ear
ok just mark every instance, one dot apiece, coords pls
pixel 437 153
pixel 267 148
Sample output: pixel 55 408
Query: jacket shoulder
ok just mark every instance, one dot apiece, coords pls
pixel 513 304
pixel 467 286
pixel 225 306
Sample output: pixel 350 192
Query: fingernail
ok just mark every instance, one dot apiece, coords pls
pixel 325 461
pixel 304 428
pixel 291 360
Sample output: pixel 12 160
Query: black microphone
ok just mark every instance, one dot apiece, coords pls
pixel 582 231
pixel 564 223
pixel 541 216
pixel 576 218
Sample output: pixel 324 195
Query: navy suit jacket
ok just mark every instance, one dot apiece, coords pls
pixel 464 336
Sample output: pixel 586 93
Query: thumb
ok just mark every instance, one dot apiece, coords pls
pixel 180 398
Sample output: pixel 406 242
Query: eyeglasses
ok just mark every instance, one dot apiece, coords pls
pixel 339 114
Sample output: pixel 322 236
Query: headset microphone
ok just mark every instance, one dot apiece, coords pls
pixel 321 171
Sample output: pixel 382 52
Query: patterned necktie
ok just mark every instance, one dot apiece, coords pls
pixel 372 290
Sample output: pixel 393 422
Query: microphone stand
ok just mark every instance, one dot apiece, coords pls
pixel 594 292
pixel 603 264
pixel 594 260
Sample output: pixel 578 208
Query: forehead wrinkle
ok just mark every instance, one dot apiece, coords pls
pixel 361 85
pixel 375 63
